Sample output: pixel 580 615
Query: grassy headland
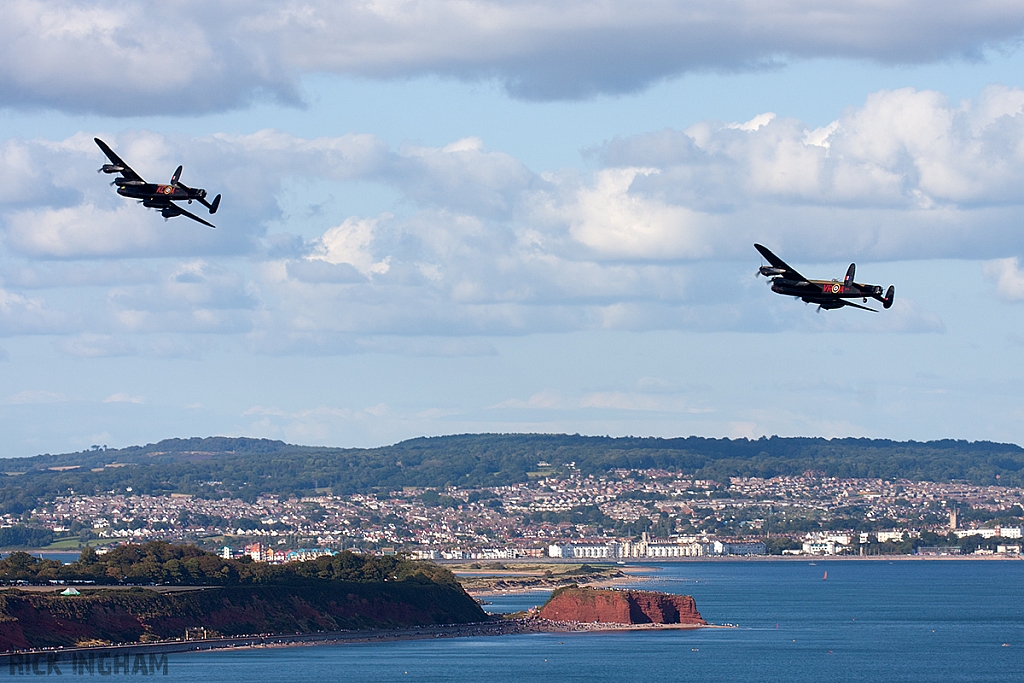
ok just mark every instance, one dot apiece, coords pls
pixel 346 591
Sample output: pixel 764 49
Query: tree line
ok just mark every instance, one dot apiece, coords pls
pixel 242 468
pixel 159 562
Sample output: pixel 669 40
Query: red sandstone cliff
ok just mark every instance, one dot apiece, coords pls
pixel 128 616
pixel 620 607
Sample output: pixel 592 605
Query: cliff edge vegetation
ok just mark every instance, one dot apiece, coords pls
pixel 159 562
pixel 227 597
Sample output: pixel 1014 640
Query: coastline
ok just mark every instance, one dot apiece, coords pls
pixel 128 652
pixel 640 564
pixel 641 569
pixel 494 627
pixel 637 575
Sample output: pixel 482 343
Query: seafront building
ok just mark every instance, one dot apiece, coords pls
pixel 260 552
pixel 621 514
pixel 644 548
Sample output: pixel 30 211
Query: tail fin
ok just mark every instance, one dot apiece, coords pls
pixel 175 177
pixel 849 275
pixel 887 301
pixel 216 203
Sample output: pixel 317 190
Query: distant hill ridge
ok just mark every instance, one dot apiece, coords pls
pixel 246 468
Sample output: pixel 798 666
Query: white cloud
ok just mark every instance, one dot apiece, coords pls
pixel 1008 276
pixel 83 231
pixel 907 175
pixel 756 123
pixel 629 400
pixel 349 243
pixel 96 346
pixel 641 401
pixel 309 425
pixel 617 224
pixel 124 398
pixel 35 397
pixel 548 399
pixel 203 56
pixel 28 315
pixel 652 238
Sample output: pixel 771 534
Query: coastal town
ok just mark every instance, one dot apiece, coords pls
pixel 625 514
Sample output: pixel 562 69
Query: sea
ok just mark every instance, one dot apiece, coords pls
pixel 794 621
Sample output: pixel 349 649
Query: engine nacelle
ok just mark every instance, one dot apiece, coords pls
pixel 111 168
pixel 770 271
pixel 125 182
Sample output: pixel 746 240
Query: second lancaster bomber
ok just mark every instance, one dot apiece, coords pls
pixel 155 196
pixel 828 294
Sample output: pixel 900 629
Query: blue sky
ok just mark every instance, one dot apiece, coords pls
pixel 443 217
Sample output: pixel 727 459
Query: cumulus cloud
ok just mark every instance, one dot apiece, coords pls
pixel 639 401
pixel 124 398
pixel 656 236
pixel 907 175
pixel 203 56
pixel 349 244
pixel 35 397
pixel 309 424
pixel 96 346
pixel 85 231
pixel 615 223
pixel 192 296
pixel 1008 277
pixel 28 315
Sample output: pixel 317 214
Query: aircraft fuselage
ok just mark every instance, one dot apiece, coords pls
pixel 824 289
pixel 828 294
pixel 153 194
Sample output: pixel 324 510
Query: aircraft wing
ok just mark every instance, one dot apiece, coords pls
pixel 126 170
pixel 183 212
pixel 864 308
pixel 790 273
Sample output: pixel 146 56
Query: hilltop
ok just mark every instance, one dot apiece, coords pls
pixel 245 468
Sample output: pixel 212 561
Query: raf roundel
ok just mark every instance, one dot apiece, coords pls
pixel 835 289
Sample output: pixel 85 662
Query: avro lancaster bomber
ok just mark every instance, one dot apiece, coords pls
pixel 828 294
pixel 162 197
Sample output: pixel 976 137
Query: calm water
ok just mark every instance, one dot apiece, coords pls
pixel 910 621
